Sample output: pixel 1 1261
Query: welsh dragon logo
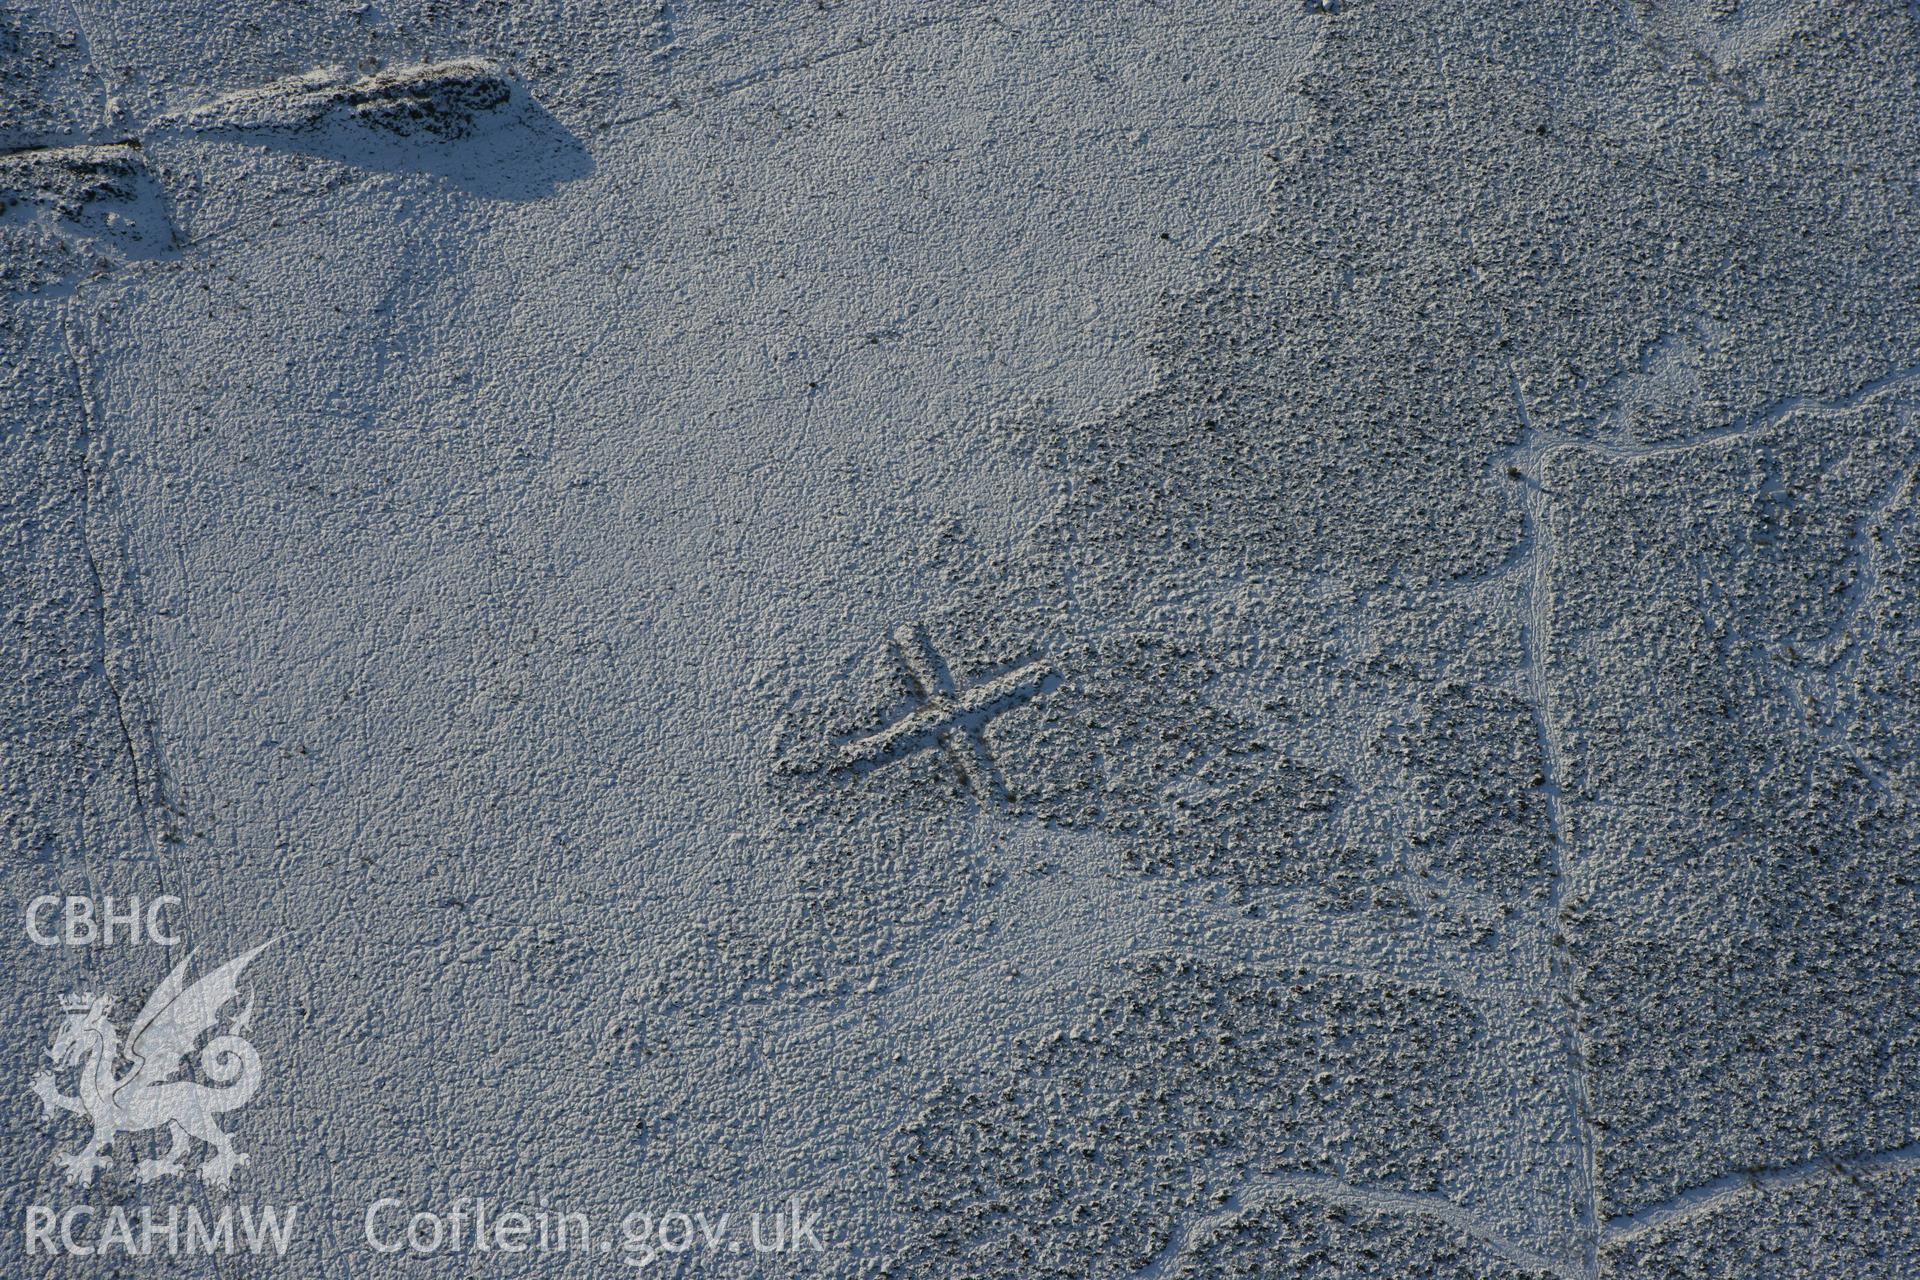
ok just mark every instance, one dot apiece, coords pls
pixel 146 1095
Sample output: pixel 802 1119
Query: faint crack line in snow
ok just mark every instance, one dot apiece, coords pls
pixel 95 578
pixel 1822 706
pixel 87 45
pixel 774 71
pixel 1866 576
pixel 143 797
pixel 1329 1189
pixel 1708 1196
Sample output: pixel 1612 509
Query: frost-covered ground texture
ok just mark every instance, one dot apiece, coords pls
pixel 1236 639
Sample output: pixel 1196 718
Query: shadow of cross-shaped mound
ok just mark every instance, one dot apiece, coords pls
pixel 952 718
pixel 1125 734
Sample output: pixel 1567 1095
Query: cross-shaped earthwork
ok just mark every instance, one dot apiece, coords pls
pixel 949 716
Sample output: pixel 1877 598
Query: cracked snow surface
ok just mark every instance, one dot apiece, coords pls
pixel 1111 642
